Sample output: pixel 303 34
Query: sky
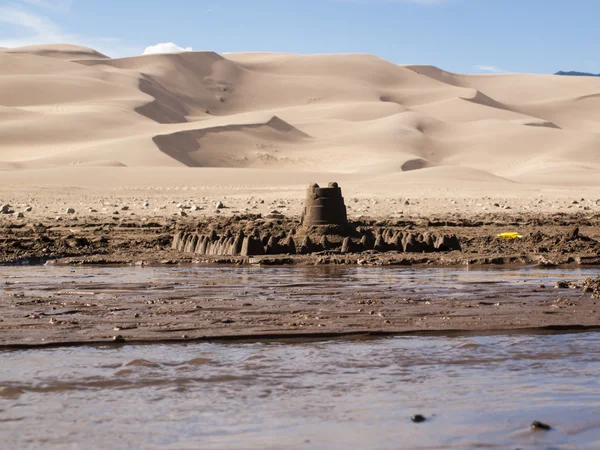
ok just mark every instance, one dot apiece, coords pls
pixel 464 36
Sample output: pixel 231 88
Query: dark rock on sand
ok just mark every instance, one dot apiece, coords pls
pixel 540 426
pixel 592 285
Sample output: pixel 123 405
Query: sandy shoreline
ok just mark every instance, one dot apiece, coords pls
pixel 136 313
pixel 72 315
pixel 129 232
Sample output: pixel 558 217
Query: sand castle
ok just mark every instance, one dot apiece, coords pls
pixel 324 228
pixel 324 206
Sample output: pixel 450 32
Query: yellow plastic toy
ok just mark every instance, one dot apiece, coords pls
pixel 510 235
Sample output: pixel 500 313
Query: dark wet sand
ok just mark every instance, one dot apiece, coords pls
pixel 548 240
pixel 46 306
pixel 164 309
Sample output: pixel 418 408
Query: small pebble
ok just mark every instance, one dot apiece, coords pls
pixel 540 426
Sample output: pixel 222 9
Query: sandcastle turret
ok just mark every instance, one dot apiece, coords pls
pixel 324 206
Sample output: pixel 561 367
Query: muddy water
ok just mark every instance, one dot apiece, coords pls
pixel 477 392
pixel 309 282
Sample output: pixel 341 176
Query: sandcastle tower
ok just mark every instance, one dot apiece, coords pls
pixel 324 206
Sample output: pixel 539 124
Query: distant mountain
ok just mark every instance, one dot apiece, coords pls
pixel 577 74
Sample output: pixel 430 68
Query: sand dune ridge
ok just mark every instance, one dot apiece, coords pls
pixel 65 105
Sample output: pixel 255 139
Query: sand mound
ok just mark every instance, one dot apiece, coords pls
pixel 65 106
pixel 62 51
pixel 244 145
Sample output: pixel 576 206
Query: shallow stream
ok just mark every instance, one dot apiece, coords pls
pixel 475 391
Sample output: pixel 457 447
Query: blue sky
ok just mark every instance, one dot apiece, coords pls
pixel 467 36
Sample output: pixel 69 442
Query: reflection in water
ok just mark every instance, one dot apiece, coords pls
pixel 476 391
pixel 215 282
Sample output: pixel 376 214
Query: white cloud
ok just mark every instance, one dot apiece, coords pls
pixel 55 5
pixel 491 69
pixel 38 29
pixel 166 47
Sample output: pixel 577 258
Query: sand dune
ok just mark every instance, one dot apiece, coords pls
pixel 58 51
pixel 243 145
pixel 64 105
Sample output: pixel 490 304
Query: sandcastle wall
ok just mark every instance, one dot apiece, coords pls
pixel 324 227
pixel 255 244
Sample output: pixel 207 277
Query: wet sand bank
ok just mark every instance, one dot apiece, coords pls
pixel 547 240
pixel 115 280
pixel 48 306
